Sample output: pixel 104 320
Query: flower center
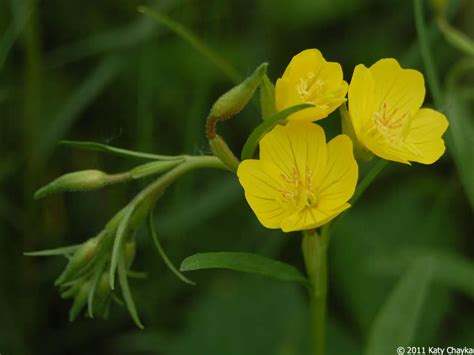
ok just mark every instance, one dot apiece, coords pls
pixel 310 88
pixel 390 122
pixel 297 191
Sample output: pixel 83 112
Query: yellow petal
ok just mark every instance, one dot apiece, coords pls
pixel 309 78
pixel 262 190
pixel 361 100
pixel 341 175
pixel 310 218
pixel 297 148
pixel 402 90
pixel 386 149
pixel 302 63
pixel 424 139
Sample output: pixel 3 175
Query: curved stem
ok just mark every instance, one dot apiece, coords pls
pixel 161 252
pixel 368 179
pixel 314 247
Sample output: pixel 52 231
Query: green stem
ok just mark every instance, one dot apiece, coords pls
pixel 431 73
pixel 368 179
pixel 314 247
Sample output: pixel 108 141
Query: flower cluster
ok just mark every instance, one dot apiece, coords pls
pixel 300 182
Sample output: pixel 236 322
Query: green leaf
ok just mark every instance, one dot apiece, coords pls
pixel 93 288
pixel 257 134
pixel 396 322
pixel 127 295
pixel 267 98
pixel 50 252
pixel 122 229
pixel 161 252
pixel 114 150
pixel 244 262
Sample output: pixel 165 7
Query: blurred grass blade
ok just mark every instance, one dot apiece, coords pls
pixel 456 271
pixel 195 42
pixel 50 252
pixel 161 252
pixel 257 134
pixel 452 270
pixel 244 262
pixel 127 295
pixel 111 40
pixel 99 147
pixel 460 140
pixel 21 16
pixel 397 319
pixel 267 98
pixel 456 38
pixel 82 97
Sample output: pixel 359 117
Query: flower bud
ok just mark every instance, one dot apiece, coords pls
pixel 80 260
pixel 223 152
pixel 84 180
pixel 236 98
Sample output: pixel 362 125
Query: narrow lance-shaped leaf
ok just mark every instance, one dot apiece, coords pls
pixel 99 147
pixel 127 295
pixel 397 319
pixel 122 229
pixel 51 252
pixel 257 134
pixel 245 262
pixel 161 252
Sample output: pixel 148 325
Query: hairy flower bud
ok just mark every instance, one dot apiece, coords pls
pixel 234 100
pixel 84 180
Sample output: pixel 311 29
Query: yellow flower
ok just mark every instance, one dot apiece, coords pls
pixel 300 182
pixel 309 78
pixel 384 106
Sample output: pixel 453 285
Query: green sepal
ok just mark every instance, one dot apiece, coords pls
pixel 267 98
pixel 360 152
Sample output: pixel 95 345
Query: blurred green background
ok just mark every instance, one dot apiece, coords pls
pixel 101 71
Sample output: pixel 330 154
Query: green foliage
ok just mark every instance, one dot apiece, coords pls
pixel 244 262
pixel 126 79
pixel 397 320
